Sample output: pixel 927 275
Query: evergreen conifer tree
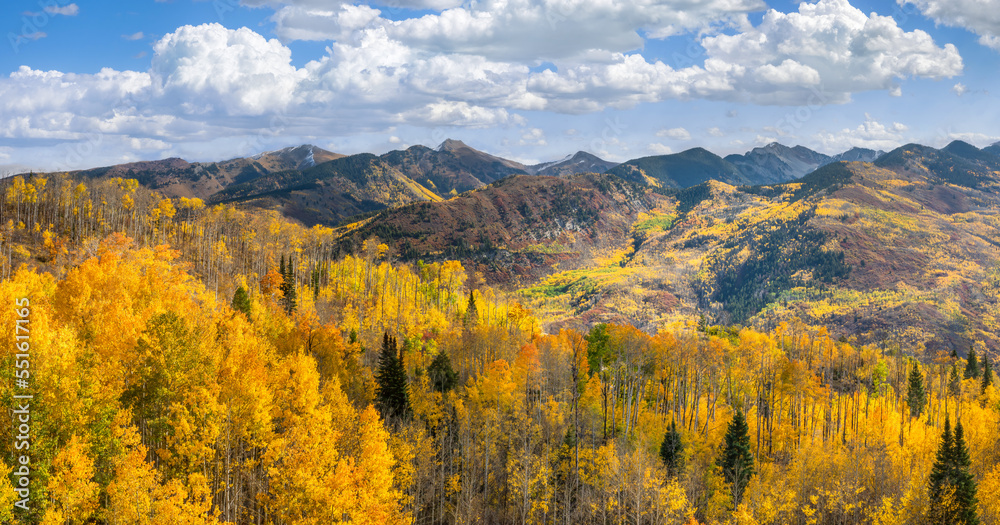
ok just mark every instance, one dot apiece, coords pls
pixel 965 484
pixel 736 459
pixel 288 300
pixel 443 376
pixel 952 489
pixel 315 282
pixel 392 394
pixel 972 365
pixel 241 301
pixel 987 375
pixel 471 311
pixel 940 482
pixel 916 396
pixel 671 449
pixel 954 382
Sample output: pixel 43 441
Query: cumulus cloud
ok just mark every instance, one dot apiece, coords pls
pixel 659 149
pixel 513 29
pixel 134 36
pixel 960 89
pixel 982 17
pixel 468 66
pixel 869 134
pixel 714 132
pixel 66 10
pixel 533 137
pixel 209 69
pixel 674 133
pixel 824 52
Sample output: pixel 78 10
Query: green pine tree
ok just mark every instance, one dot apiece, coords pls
pixel 916 396
pixel 241 301
pixel 736 459
pixel 965 483
pixel 987 375
pixel 288 299
pixel 954 382
pixel 315 282
pixel 392 393
pixel 952 488
pixel 940 483
pixel 443 376
pixel 471 311
pixel 972 365
pixel 671 450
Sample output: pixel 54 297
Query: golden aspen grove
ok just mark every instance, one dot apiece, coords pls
pixel 160 398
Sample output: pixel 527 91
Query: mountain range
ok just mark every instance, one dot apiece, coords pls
pixel 316 186
pixel 889 248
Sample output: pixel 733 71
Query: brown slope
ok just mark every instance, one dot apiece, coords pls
pixel 518 227
pixel 176 177
pixel 330 192
pixel 907 253
pixel 452 168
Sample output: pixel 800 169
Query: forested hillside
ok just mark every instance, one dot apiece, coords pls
pixel 209 364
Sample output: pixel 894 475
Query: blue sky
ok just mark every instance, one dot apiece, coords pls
pixel 86 84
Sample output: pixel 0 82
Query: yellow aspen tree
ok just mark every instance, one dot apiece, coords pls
pixel 71 488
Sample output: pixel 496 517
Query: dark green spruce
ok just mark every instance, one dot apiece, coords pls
pixel 471 311
pixel 987 376
pixel 443 377
pixel 736 459
pixel 241 301
pixel 392 392
pixel 954 382
pixel 951 487
pixel 916 395
pixel 972 365
pixel 671 451
pixel 288 299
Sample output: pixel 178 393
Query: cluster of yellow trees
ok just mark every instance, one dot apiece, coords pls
pixel 155 401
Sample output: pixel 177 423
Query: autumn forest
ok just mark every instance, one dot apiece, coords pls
pixel 196 363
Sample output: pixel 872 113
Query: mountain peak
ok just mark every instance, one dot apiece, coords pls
pixel 452 145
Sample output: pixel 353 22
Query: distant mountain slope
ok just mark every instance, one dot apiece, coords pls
pixel 330 192
pixel 959 163
pixel 858 155
pixel 776 163
pixel 905 251
pixel 680 170
pixel 176 177
pixel 517 226
pixel 993 148
pixel 579 162
pixel 452 167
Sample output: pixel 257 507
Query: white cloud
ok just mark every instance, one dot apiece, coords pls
pixel 519 30
pixel 870 134
pixel 460 114
pixel 823 53
pixel 134 36
pixel 714 132
pixel 659 149
pixel 980 139
pixel 67 10
pixel 674 133
pixel 960 89
pixel 209 69
pixel 533 137
pixel 982 17
pixel 467 66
